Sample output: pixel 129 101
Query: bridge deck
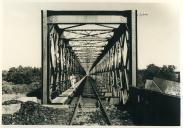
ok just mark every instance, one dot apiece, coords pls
pixel 65 96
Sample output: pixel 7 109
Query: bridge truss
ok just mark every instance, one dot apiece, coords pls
pixel 102 44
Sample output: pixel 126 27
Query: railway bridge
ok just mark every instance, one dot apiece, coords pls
pixel 93 54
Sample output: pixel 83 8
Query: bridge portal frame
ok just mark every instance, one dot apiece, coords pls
pixel 131 16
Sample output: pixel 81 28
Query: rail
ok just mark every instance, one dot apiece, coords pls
pixel 101 106
pixel 103 110
pixel 75 110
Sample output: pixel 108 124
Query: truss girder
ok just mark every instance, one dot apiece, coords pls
pixel 62 64
pixel 86 19
pixel 114 66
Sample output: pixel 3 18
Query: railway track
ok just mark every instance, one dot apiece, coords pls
pixel 88 107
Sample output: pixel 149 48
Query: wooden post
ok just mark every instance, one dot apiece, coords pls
pixel 45 80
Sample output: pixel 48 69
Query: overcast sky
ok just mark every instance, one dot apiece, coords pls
pixel 158 32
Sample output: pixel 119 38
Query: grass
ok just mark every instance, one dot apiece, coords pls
pixel 12 91
pixel 10 88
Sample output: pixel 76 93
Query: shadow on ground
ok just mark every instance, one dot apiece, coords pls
pixel 35 93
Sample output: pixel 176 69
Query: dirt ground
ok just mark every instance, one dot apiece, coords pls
pixel 6 97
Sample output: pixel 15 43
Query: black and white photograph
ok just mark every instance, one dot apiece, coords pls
pixel 91 63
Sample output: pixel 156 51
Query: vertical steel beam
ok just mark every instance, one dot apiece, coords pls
pixel 134 46
pixel 45 62
pixel 132 30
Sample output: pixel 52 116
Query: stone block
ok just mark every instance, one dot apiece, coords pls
pixel 10 109
pixel 25 99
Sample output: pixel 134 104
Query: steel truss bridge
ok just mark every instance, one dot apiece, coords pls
pixel 99 44
pixel 102 44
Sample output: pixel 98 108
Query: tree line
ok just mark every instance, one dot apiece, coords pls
pixel 27 75
pixel 22 75
pixel 166 72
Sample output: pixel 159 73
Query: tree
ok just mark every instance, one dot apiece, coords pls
pixel 141 78
pixel 151 71
pixel 23 75
pixel 4 74
pixel 165 72
pixel 10 74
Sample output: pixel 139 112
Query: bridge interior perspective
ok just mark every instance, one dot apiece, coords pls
pixel 89 62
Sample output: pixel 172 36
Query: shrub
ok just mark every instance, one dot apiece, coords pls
pixel 22 75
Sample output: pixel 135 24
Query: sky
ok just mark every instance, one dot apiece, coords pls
pixel 158 31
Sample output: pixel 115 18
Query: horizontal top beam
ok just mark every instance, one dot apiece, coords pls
pixel 89 45
pixel 87 62
pixel 94 51
pixel 86 52
pixel 109 30
pixel 87 39
pixel 97 49
pixel 84 23
pixel 84 56
pixel 87 56
pixel 84 12
pixel 82 19
pixel 92 59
